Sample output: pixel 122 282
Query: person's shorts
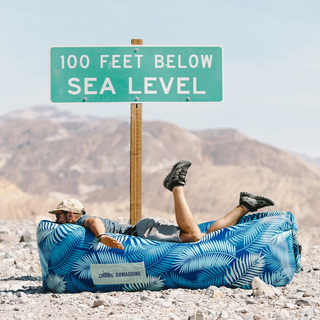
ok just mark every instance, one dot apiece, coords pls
pixel 158 229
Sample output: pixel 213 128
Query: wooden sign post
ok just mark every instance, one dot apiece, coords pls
pixel 135 156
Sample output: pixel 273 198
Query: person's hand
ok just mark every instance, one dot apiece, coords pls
pixel 110 242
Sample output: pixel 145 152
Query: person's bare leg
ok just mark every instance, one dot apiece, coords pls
pixel 190 231
pixel 230 219
pixel 247 202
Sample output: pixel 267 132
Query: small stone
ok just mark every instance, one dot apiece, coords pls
pixel 17 260
pixel 4 231
pixel 260 288
pixel 22 266
pixel 223 315
pixel 308 314
pixel 27 237
pixel 284 313
pixel 22 297
pixel 113 301
pixel 167 303
pixel 9 273
pixel 290 306
pixel 31 245
pixel 226 290
pixel 242 310
pixel 6 297
pixel 303 302
pixel 276 291
pixel 34 268
pixel 308 294
pixel 199 315
pixel 173 316
pixel 101 302
pixel 217 294
pixel 251 301
pixel 9 255
pixel 211 289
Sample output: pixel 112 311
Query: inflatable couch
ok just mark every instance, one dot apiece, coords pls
pixel 263 245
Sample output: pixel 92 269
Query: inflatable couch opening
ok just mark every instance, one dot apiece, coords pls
pixel 263 245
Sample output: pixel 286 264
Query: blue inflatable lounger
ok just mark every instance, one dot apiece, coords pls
pixel 263 245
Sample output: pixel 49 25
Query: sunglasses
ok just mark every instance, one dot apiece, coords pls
pixel 58 214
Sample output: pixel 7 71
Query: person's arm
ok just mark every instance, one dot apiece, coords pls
pixel 96 226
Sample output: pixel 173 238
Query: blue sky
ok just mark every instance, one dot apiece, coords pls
pixel 271 59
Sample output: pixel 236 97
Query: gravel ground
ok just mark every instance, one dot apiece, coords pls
pixel 22 297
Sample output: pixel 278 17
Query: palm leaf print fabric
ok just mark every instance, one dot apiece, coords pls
pixel 263 245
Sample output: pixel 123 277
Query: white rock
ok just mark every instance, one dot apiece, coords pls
pixel 199 315
pixel 251 301
pixel 167 303
pixel 277 291
pixel 22 297
pixel 223 315
pixel 308 313
pixel 173 316
pixel 303 302
pixel 9 296
pixel 284 313
pixel 113 301
pixel 4 231
pixel 242 310
pixel 28 236
pixel 260 288
pixel 32 245
pixel 22 266
pixel 101 302
pixel 217 294
pixel 289 305
pixel 211 289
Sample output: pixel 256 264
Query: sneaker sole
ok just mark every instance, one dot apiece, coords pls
pixel 173 170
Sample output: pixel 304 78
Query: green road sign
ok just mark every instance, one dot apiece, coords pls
pixel 136 73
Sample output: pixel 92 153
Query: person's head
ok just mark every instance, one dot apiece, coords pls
pixel 68 211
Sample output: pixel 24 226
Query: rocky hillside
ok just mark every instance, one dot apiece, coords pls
pixel 49 155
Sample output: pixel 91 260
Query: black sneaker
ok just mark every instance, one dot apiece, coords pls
pixel 177 175
pixel 254 202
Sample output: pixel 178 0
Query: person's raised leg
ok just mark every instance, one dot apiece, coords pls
pixel 248 202
pixel 190 231
pixel 232 218
pixel 175 182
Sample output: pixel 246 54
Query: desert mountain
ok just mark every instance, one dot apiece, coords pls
pixel 50 154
